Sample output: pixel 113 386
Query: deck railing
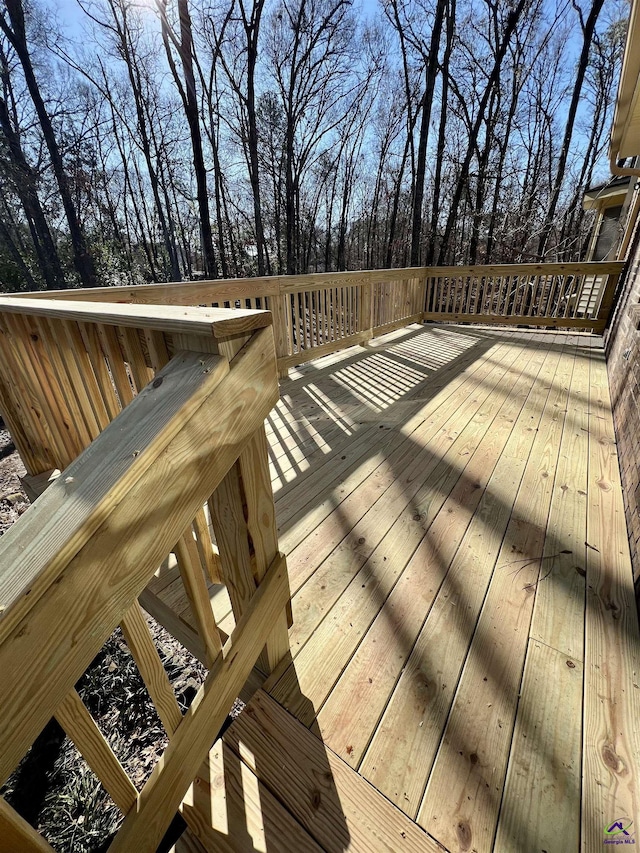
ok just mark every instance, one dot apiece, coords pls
pixel 576 295
pixel 67 369
pixel 319 313
pixel 313 314
pixel 74 565
pixel 154 411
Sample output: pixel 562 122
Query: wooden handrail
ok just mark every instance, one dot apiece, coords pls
pixel 219 322
pixel 557 268
pixel 72 567
pixel 197 292
pixel 69 363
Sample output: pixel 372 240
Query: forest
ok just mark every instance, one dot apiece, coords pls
pixel 168 140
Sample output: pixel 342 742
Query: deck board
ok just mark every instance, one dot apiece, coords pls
pixel 465 635
pixel 270 785
pixel 611 744
pixel 464 788
pixel 427 687
pixel 372 673
pixel 374 555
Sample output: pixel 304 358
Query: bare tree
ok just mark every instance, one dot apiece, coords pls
pixel 588 28
pixel 189 98
pixel 13 25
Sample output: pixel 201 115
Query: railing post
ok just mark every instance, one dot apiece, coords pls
pixel 427 282
pixel 365 318
pixel 263 529
pixel 607 298
pixel 277 306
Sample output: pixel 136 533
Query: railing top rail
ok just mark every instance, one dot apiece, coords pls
pixel 219 322
pixel 194 292
pixel 569 268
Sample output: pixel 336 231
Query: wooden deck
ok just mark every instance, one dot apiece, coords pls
pixel 465 636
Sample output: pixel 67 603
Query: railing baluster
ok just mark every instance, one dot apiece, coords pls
pixel 17 835
pixel 36 396
pixel 80 727
pixel 195 585
pixel 143 650
pixel 88 354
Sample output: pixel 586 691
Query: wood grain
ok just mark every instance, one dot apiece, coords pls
pixel 611 745
pixel 143 649
pixel 172 490
pixel 219 322
pixel 335 805
pixel 230 809
pixel 463 790
pixel 80 727
pixel 162 794
pixel 16 835
pixel 542 788
pixel 371 675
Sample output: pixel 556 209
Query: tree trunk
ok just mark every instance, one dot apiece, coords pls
pixel 25 185
pixel 587 36
pixel 16 34
pixel 512 21
pixel 427 102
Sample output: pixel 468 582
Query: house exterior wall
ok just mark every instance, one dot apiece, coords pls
pixel 623 364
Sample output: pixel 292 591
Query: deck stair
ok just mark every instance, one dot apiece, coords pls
pixel 271 784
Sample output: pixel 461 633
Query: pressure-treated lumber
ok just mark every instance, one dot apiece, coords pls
pixel 175 293
pixel 542 788
pixel 195 585
pixel 558 616
pixel 109 347
pixel 325 349
pixel 386 645
pixel 35 485
pixel 174 624
pixel 118 459
pixel 198 292
pixel 17 835
pixel 336 806
pixel 226 506
pixel 85 349
pixel 229 809
pixel 454 394
pixel 80 727
pixel 219 322
pixel 35 405
pixel 188 843
pixel 178 453
pixel 596 325
pixel 611 742
pixel 143 649
pixel 407 739
pixel 469 768
pixel 569 268
pixel 365 407
pixel 262 527
pixel 209 555
pixel 143 829
pixel 387 535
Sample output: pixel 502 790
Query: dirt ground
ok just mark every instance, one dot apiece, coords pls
pixel 13 501
pixel 53 788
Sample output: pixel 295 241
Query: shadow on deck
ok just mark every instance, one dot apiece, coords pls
pixel 464 632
